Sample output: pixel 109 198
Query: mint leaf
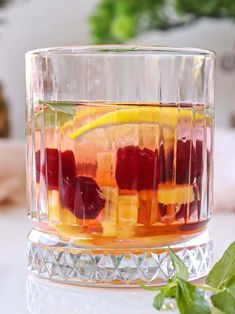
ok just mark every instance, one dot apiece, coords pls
pixel 181 270
pixel 159 300
pixel 50 118
pixel 231 286
pixel 54 113
pixel 215 310
pixel 60 106
pixel 149 288
pixel 224 301
pixel 190 300
pixel 223 270
pixel 167 292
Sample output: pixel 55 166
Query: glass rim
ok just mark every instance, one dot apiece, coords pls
pixel 119 50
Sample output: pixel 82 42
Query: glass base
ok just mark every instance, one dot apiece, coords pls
pixel 51 258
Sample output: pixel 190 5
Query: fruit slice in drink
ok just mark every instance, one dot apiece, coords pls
pixel 127 215
pixel 137 114
pixel 110 213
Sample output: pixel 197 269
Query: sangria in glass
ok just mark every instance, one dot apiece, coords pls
pixel 120 162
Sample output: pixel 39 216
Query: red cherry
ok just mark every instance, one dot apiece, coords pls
pixel 82 197
pixel 137 169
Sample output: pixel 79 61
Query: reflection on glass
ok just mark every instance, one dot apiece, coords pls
pixel 44 297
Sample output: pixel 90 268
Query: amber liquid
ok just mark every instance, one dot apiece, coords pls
pixel 116 175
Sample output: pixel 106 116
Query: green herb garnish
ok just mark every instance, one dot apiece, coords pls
pixel 180 270
pixel 61 106
pixel 54 113
pixel 190 297
pixel 223 270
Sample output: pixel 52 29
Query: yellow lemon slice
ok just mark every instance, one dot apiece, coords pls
pixel 82 114
pixel 165 116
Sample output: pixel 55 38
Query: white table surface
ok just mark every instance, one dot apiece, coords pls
pixel 22 293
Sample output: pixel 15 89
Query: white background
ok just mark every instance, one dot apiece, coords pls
pixel 36 24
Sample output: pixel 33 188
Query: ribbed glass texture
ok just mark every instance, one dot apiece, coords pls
pixel 120 144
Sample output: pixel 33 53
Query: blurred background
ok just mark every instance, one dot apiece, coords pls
pixel 30 24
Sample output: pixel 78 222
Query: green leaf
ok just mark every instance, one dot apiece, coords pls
pixel 123 27
pixel 159 300
pixel 230 286
pixel 223 270
pixel 224 301
pixel 150 14
pixel 60 106
pixel 149 288
pixel 215 310
pixel 54 113
pixel 167 292
pixel 49 118
pixel 181 270
pixel 190 300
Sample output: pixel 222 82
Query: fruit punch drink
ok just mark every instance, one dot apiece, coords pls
pixel 115 174
pixel 113 183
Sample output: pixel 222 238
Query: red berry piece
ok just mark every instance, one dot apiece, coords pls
pixel 182 213
pixel 38 165
pixel 184 161
pixel 198 164
pixel 189 161
pixel 82 197
pixel 189 165
pixel 68 165
pixel 67 193
pixel 162 209
pixel 166 161
pixel 50 167
pixel 56 167
pixel 194 206
pixel 137 169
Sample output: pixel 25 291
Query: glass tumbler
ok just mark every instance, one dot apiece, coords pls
pixel 119 162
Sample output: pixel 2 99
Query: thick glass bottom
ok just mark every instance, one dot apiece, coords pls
pixel 49 256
